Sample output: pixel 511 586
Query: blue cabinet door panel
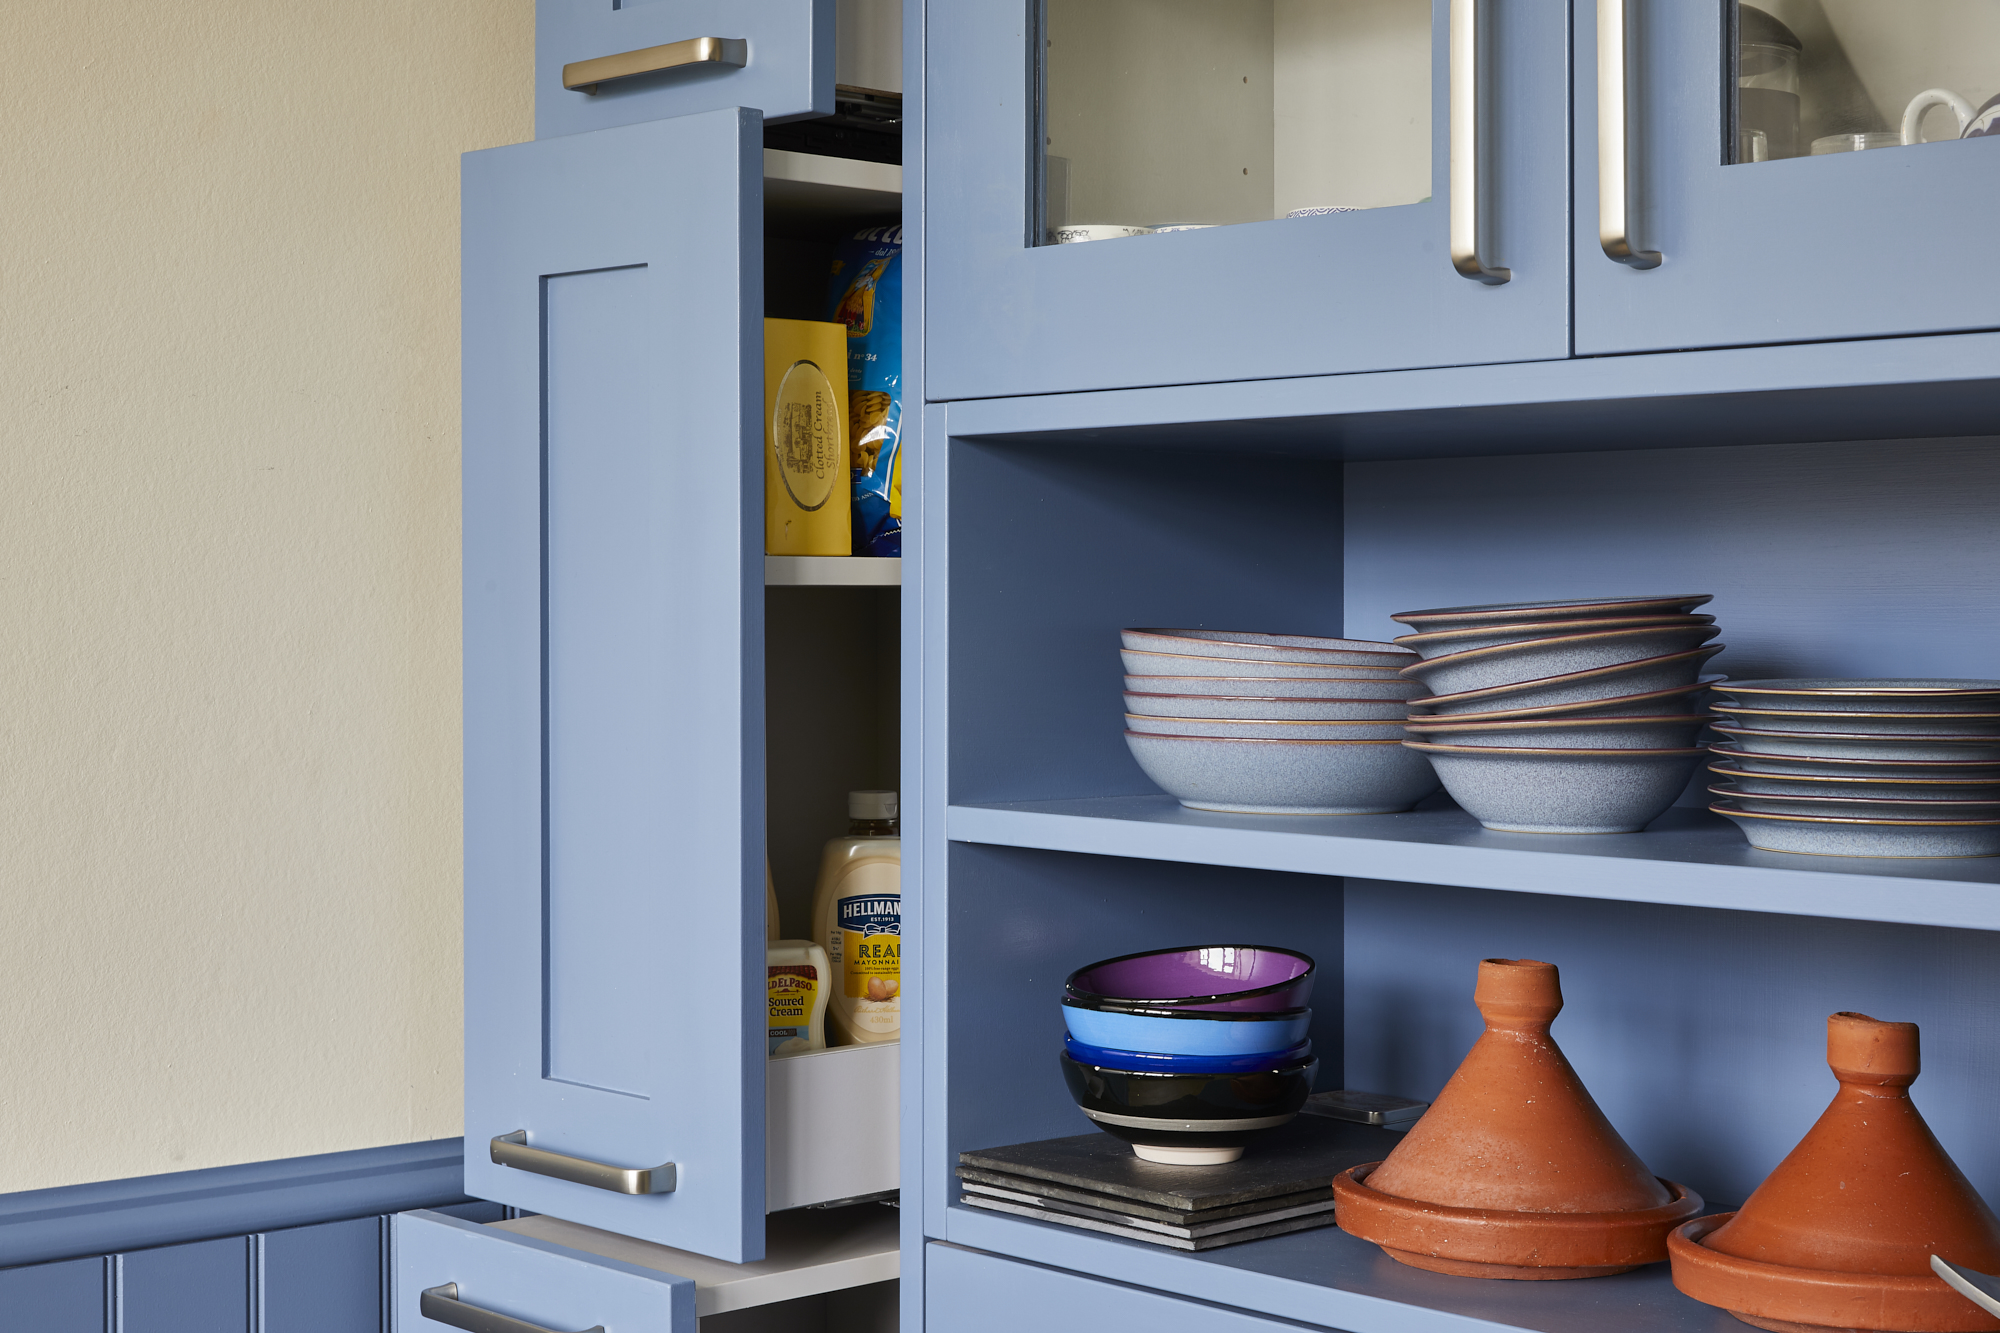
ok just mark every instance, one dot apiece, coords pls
pixel 528 1279
pixel 323 1279
pixel 1850 245
pixel 1369 290
pixel 787 71
pixel 55 1298
pixel 970 1291
pixel 613 672
pixel 200 1288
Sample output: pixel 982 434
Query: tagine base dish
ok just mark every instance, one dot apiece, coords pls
pixel 1431 1263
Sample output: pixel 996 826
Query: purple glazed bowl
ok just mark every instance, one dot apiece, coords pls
pixel 1243 978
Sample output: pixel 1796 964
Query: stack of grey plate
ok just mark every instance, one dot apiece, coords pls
pixel 1573 716
pixel 1861 767
pixel 1254 723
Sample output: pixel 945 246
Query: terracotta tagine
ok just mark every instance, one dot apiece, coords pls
pixel 1840 1236
pixel 1514 1172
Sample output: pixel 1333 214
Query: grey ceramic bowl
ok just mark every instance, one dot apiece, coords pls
pixel 1589 733
pixel 1285 777
pixel 1861 724
pixel 1561 791
pixel 1868 696
pixel 1139 663
pixel 1823 745
pixel 1538 659
pixel 1574 608
pixel 1266 729
pixel 1858 807
pixel 1576 687
pixel 1841 786
pixel 1653 703
pixel 1289 710
pixel 1251 647
pixel 1947 769
pixel 1278 687
pixel 1490 636
pixel 1864 837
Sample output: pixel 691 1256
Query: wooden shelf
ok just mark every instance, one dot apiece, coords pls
pixel 1331 1279
pixel 832 571
pixel 806 1253
pixel 1689 858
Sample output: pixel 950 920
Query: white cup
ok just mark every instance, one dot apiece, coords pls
pixel 1913 115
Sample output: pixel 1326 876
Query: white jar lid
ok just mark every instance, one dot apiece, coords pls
pixel 871 805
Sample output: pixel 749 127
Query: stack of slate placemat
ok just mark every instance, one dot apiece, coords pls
pixel 1283 1183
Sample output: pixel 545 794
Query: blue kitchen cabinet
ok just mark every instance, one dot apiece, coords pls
pixel 1738 225
pixel 455 1274
pixel 1430 139
pixel 602 63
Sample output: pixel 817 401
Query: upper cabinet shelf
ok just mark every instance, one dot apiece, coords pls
pixel 832 571
pixel 1691 859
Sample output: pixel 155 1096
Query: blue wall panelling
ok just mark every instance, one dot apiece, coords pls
pixel 207 1287
pixel 67 1297
pixel 323 1279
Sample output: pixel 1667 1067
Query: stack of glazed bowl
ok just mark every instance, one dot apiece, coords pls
pixel 1186 1054
pixel 1288 724
pixel 1576 716
pixel 1861 767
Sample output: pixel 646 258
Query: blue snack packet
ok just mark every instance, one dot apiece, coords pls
pixel 866 294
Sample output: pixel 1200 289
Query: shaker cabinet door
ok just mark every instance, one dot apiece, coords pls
pixel 1762 185
pixel 600 63
pixel 455 1274
pixel 1124 193
pixel 614 880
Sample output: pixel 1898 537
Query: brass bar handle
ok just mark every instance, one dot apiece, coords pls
pixel 1614 183
pixel 513 1150
pixel 442 1304
pixel 585 75
pixel 1465 146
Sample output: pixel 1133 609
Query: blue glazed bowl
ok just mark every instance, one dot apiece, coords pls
pixel 1186 1031
pixel 1136 1062
pixel 1188 1119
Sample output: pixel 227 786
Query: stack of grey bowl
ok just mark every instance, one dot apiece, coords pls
pixel 1573 716
pixel 1285 724
pixel 1861 767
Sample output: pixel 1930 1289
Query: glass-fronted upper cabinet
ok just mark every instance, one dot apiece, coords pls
pixel 1138 192
pixel 1786 171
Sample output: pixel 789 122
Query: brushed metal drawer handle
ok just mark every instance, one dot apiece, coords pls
pixel 1465 156
pixel 585 75
pixel 442 1304
pixel 1614 184
pixel 513 1150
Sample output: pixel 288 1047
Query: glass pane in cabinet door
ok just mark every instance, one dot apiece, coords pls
pixel 1818 77
pixel 1158 115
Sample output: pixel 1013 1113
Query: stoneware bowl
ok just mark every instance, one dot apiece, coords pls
pixel 1669 671
pixel 1186 1031
pixel 1860 807
pixel 1284 777
pixel 1179 664
pixel 1575 608
pixel 1247 646
pixel 1538 659
pixel 1278 687
pixel 1862 724
pixel 1285 710
pixel 1654 703
pixel 1562 791
pixel 1490 636
pixel 1949 770
pixel 1267 729
pixel 1137 1062
pixel 1834 836
pixel 1188 1119
pixel 1252 978
pixel 1839 786
pixel 1820 744
pixel 1587 733
pixel 1868 696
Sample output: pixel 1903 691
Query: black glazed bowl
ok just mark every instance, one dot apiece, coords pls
pixel 1189 1119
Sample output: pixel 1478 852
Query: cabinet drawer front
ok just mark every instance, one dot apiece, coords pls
pixel 613 620
pixel 967 1291
pixel 777 57
pixel 520 1278
pixel 1372 289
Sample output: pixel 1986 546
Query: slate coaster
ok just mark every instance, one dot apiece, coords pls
pixel 1153 1237
pixel 1321 1202
pixel 1305 1154
pixel 1044 1189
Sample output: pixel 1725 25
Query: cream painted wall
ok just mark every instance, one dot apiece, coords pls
pixel 229 805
